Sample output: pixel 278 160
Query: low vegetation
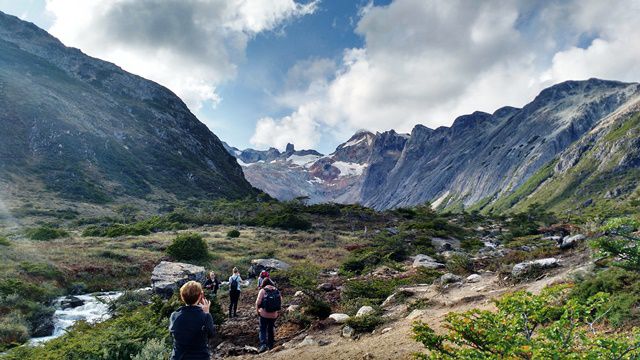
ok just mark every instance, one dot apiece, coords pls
pixel 188 246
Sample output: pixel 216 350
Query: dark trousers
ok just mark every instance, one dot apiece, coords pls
pixel 234 296
pixel 267 332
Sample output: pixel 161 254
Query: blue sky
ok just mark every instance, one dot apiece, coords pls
pixel 263 73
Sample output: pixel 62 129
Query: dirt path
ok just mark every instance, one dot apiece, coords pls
pixel 396 342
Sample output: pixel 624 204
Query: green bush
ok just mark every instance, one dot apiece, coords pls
pixel 316 307
pixel 624 287
pixel 4 241
pixel 233 233
pixel 365 323
pixel 302 276
pixel 526 326
pixel 460 264
pixel 44 233
pixel 188 246
pixel 154 349
pixel 128 301
pixel 287 221
pixel 140 228
pixel 13 331
pixel 43 270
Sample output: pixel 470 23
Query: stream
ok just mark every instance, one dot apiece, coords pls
pixel 94 309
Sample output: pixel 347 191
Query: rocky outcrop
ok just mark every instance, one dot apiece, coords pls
pixel 571 241
pixel 259 265
pixel 528 268
pixel 426 261
pixel 167 277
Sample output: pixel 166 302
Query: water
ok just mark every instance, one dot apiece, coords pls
pixel 95 309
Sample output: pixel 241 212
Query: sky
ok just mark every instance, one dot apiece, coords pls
pixel 262 73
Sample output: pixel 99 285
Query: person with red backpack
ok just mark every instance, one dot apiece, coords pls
pixel 263 275
pixel 268 305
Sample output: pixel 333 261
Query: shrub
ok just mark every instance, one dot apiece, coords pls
pixel 300 276
pixel 188 246
pixel 316 307
pixel 43 270
pixel 13 330
pixel 286 221
pixel 233 233
pixel 624 287
pixel 527 326
pixel 365 323
pixel 44 233
pixel 128 301
pixel 154 349
pixel 460 264
pixel 4 241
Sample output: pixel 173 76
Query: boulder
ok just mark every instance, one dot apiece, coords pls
pixel 307 341
pixel 44 326
pixel 473 278
pixel 426 261
pixel 441 244
pixel 339 318
pixel 348 331
pixel 571 241
pixel 259 265
pixel 326 287
pixel 526 268
pixel 167 277
pixel 449 278
pixel 71 302
pixel 365 310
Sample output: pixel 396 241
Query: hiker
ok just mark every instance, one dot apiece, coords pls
pixel 234 292
pixel 212 283
pixel 268 305
pixel 191 325
pixel 263 275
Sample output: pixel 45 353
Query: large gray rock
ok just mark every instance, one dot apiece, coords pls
pixel 426 261
pixel 449 278
pixel 339 318
pixel 527 268
pixel 365 310
pixel 571 241
pixel 168 277
pixel 258 265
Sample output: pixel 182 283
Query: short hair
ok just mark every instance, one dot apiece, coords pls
pixel 266 282
pixel 190 292
pixel 235 270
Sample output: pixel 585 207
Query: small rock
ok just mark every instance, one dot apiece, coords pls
pixel 426 261
pixel 571 241
pixel 348 331
pixel 323 342
pixel 416 314
pixel 308 341
pixel 365 310
pixel 293 308
pixel 449 278
pixel 299 294
pixel 339 318
pixel 386 330
pixel 392 231
pixel 367 356
pixel 326 287
pixel 473 278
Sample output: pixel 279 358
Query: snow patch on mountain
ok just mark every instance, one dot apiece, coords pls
pixel 303 160
pixel 349 169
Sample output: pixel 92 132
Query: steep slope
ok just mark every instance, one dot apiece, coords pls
pixel 88 131
pixel 600 173
pixel 483 157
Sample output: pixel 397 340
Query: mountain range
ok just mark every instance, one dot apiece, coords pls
pixel 482 161
pixel 79 129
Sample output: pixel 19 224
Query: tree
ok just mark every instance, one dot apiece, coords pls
pixel 618 241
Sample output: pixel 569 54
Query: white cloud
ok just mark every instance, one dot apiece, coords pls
pixel 430 61
pixel 190 46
